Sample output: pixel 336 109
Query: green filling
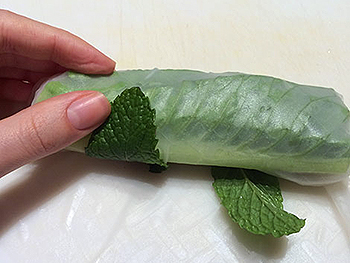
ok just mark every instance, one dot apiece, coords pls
pixel 233 119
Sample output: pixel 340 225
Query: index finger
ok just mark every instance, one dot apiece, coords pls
pixel 23 36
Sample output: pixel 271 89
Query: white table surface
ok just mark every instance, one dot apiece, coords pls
pixel 71 208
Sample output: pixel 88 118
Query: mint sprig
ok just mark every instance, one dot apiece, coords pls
pixel 253 199
pixel 129 133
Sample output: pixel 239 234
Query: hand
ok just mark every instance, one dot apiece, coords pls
pixel 30 51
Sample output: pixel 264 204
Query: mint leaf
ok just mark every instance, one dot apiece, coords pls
pixel 129 133
pixel 254 201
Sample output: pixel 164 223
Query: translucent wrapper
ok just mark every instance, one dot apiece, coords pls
pixel 297 132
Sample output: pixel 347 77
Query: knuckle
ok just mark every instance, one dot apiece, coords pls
pixel 37 142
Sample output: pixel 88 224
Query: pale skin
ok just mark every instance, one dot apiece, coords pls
pixel 29 52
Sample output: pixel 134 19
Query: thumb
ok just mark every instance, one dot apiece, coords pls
pixel 49 126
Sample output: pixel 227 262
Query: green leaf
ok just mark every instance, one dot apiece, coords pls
pixel 254 201
pixel 129 133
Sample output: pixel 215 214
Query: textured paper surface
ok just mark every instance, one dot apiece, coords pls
pixel 71 208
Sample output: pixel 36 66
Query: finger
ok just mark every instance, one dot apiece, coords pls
pixel 15 90
pixel 22 62
pixel 49 126
pixel 21 74
pixel 26 37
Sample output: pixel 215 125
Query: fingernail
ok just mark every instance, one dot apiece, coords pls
pixel 88 111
